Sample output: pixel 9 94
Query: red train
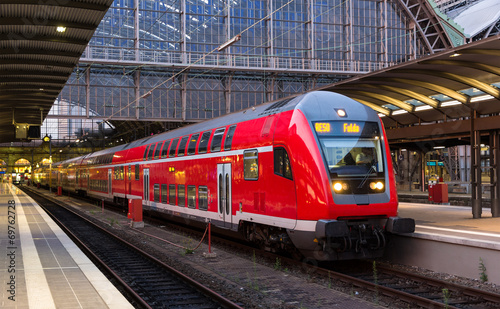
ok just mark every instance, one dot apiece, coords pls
pixel 311 173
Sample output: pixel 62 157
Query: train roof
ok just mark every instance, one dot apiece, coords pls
pixel 309 103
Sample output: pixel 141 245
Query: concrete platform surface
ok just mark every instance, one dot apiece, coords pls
pixel 40 267
pixel 448 240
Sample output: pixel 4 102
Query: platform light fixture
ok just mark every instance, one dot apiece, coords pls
pixel 422 108
pixel 61 29
pixel 399 112
pixel 450 103
pixel 481 98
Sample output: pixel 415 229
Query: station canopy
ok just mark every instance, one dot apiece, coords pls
pixel 40 44
pixel 434 98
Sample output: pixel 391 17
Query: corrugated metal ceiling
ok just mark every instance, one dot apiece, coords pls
pixel 35 59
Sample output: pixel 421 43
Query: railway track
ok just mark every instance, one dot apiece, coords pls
pixel 148 283
pixel 414 289
pixel 421 290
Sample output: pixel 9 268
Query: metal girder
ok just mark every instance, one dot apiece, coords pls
pixel 375 107
pixel 412 94
pixel 467 64
pixel 46 51
pixel 403 105
pixel 66 4
pixel 45 38
pixel 431 86
pixel 429 26
pixel 46 22
pixel 468 81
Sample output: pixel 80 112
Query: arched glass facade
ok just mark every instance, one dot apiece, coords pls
pixel 158 60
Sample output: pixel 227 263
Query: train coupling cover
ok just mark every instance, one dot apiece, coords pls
pixel 397 225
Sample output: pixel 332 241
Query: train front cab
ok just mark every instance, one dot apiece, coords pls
pixel 359 205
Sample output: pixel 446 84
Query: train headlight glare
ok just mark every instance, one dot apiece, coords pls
pixel 337 186
pixel 345 186
pixel 376 185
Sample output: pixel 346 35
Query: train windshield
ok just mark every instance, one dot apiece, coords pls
pixel 352 154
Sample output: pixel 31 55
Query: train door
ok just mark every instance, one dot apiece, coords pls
pixel 146 184
pixel 110 179
pixel 224 193
pixel 129 185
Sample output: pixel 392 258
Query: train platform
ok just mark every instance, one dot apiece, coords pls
pixel 447 239
pixel 41 267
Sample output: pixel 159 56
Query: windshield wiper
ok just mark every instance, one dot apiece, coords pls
pixel 372 169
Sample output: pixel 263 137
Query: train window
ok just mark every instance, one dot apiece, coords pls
pixel 144 157
pixel 122 172
pixel 173 147
pixel 203 146
pixel 136 172
pixel 151 151
pixel 229 137
pixel 156 190
pixel 181 195
pixel 282 163
pixel 171 194
pixel 217 139
pixel 191 196
pixel 192 144
pixel 251 164
pixel 202 197
pixel 182 146
pixel 157 150
pixel 129 172
pixel 164 193
pixel 164 151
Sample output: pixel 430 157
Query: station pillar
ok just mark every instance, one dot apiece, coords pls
pixel 494 173
pixel 475 154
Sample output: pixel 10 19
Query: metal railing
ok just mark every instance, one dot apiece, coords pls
pixel 96 54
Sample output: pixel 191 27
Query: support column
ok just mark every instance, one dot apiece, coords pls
pixel 475 154
pixel 309 30
pixel 87 92
pixel 269 23
pixel 408 169
pixel 136 30
pixel 227 84
pixel 182 31
pixel 137 91
pixel 495 184
pixel 184 95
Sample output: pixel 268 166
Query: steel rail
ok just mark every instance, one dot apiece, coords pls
pixel 197 285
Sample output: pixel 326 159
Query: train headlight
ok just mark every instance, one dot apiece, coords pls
pixel 340 186
pixel 376 185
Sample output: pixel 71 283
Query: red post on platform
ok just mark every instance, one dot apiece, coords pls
pixel 430 188
pixel 441 193
pixel 135 213
pixel 209 254
pixel 59 191
pixel 209 239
